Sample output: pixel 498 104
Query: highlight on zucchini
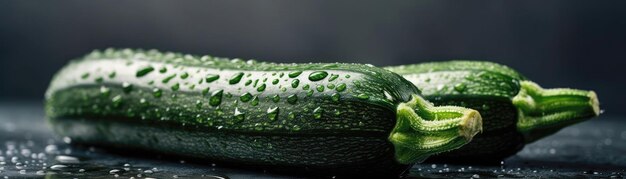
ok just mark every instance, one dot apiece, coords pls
pixel 515 110
pixel 342 119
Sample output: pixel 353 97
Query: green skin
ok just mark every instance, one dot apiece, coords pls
pixel 342 119
pixel 515 111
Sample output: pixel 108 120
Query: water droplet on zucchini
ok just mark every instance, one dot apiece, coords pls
pixel 272 113
pixel 216 98
pixel 211 78
pixel 235 78
pixel 294 74
pixel 144 71
pixel 318 75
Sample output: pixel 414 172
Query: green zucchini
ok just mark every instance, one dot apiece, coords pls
pixel 515 110
pixel 336 119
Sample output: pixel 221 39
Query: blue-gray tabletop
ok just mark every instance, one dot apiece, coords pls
pixel 29 149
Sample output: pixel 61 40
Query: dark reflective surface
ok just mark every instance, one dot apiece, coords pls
pixel 28 149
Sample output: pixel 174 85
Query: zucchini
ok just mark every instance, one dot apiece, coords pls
pixel 515 110
pixel 341 119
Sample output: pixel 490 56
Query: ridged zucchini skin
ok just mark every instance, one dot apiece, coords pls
pixel 335 118
pixel 501 95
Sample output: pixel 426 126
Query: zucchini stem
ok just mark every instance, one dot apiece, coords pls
pixel 542 112
pixel 422 129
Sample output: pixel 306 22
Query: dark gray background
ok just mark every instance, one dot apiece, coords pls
pixel 579 44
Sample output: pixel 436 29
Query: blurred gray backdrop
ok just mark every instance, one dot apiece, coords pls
pixel 579 44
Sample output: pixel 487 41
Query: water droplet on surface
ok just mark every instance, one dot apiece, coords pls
pixel 216 98
pixel 255 101
pixel 84 76
pixel 175 87
pixel 363 96
pixel 318 75
pixel 317 112
pixel 295 83
pixel 239 116
pixel 341 87
pixel 66 159
pixel 144 71
pixel 275 81
pixel 306 87
pixel 58 167
pixel 162 70
pixel 127 87
pixel 105 91
pixel 184 75
pixel 261 88
pixel 292 99
pixel 460 87
pixel 320 88
pixel 335 97
pixel 245 97
pixel 156 92
pixel 333 77
pixel 294 74
pixel 211 78
pixel 272 113
pixel 235 78
pixel 168 78
pixel 275 98
pixel 112 75
pixel 117 100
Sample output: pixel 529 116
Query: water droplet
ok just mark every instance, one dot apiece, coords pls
pixel 255 101
pixel 239 116
pixel 245 97
pixel 276 98
pixel 363 96
pixel 216 98
pixel 168 78
pixel 58 167
pixel 460 87
pixel 157 92
pixel 117 101
pixel 275 81
pixel 144 71
pixel 335 97
pixel 306 87
pixel 333 77
pixel 272 113
pixel 320 88
pixel 162 70
pixel 292 99
pixel 184 75
pixel 99 80
pixel 331 86
pixel 291 115
pixel 295 83
pixel 105 91
pixel 205 91
pixel 294 74
pixel 341 87
pixel 317 112
pixel 127 87
pixel 318 75
pixel 248 82
pixel 211 78
pixel 66 159
pixel 309 93
pixel 175 87
pixel 84 76
pixel 347 76
pixel 235 78
pixel 112 75
pixel 261 88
